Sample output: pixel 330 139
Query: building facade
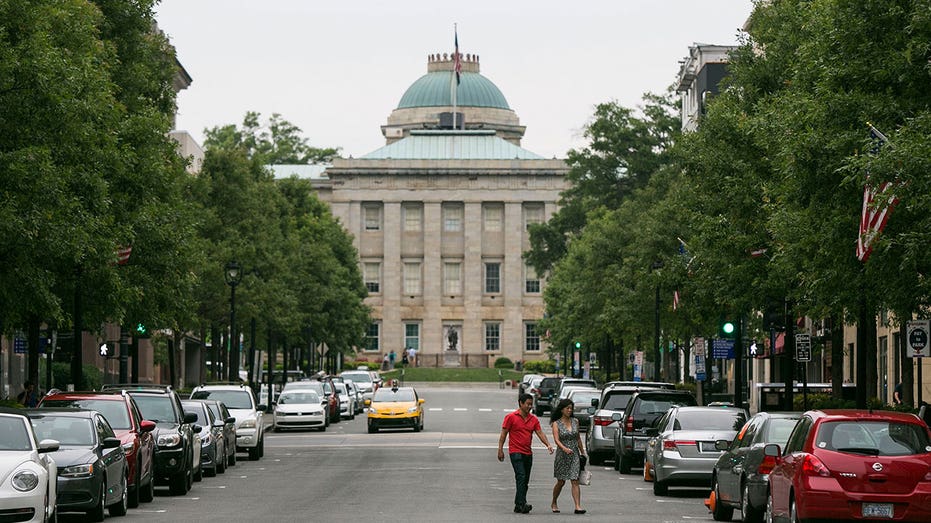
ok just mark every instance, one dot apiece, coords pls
pixel 440 217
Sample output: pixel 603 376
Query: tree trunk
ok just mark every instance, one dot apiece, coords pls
pixel 32 368
pixel 863 334
pixel 788 359
pixel 908 366
pixel 837 356
pixel 172 378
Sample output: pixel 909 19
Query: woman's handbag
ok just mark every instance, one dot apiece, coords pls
pixel 585 477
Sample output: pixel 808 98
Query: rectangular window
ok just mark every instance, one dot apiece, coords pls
pixel 494 218
pixel 372 276
pixel 412 278
pixel 492 278
pixel 452 217
pixel 412 336
pixel 492 336
pixel 452 279
pixel 371 216
pixel 531 338
pixel 533 213
pixel 531 280
pixel 413 217
pixel 372 337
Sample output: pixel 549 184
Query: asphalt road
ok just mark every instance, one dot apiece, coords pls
pixel 449 472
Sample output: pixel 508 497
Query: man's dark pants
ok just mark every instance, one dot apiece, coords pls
pixel 522 464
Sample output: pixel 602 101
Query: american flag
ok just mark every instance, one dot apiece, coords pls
pixel 675 300
pixel 873 216
pixel 122 254
pixel 458 63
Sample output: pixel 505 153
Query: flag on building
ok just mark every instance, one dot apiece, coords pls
pixel 456 60
pixel 675 300
pixel 878 202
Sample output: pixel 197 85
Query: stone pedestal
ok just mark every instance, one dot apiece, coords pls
pixel 451 358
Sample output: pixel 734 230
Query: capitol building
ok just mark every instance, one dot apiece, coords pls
pixel 440 217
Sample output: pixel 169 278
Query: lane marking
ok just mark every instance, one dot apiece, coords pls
pixel 214 486
pixel 459 409
pixel 484 410
pixel 435 409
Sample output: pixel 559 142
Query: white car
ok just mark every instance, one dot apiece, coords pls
pixel 30 475
pixel 347 400
pixel 300 409
pixel 363 379
pixel 250 419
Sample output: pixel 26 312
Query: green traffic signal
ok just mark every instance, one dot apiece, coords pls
pixel 141 330
pixel 727 327
pixel 578 344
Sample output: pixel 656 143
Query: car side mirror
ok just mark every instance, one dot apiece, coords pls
pixel 230 420
pixel 367 402
pixel 197 429
pixel 594 402
pixel 190 417
pixel 111 443
pixel 48 445
pixel 420 401
pixel 262 408
pixel 722 444
pixel 146 426
pixel 219 424
pixel 772 450
pixel 590 410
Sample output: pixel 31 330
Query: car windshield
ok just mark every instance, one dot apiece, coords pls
pixel 873 438
pixel 709 420
pixel 214 408
pixel 658 404
pixel 392 395
pixel 67 430
pixel 358 377
pixel 114 411
pixel 778 430
pixel 234 399
pixel 583 399
pixel 617 401
pixel 196 408
pixel 13 434
pixel 155 407
pixel 304 396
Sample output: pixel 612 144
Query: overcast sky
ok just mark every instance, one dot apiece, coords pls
pixel 337 68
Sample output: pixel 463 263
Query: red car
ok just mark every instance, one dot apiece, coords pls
pixel 134 432
pixel 851 465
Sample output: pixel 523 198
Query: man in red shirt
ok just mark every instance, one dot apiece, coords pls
pixel 519 427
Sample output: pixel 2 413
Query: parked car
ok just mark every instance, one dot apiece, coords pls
pixel 356 394
pixel 229 427
pixel 851 464
pixel 30 475
pixel 175 460
pixel 613 400
pixel 925 414
pixel 582 398
pixel 740 479
pixel 299 409
pixel 643 409
pixel 325 399
pixel 525 382
pixel 395 407
pixel 543 397
pixel 134 431
pixel 566 383
pixel 684 445
pixel 250 419
pixel 363 379
pixel 92 471
pixel 212 442
pixel 347 401
pixel 329 392
pixel 641 384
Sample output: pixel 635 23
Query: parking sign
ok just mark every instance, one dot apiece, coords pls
pixel 917 338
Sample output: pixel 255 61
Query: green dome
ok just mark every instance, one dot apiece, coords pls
pixel 433 90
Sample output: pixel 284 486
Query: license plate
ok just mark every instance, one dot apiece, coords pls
pixel 877 510
pixel 640 445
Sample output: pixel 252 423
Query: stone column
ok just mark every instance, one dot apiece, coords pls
pixel 432 326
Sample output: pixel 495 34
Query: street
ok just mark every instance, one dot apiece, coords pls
pixel 449 472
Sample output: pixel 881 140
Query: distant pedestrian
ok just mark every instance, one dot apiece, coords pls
pixel 385 362
pixel 412 356
pixel 391 358
pixel 518 428
pixel 897 394
pixel 28 397
pixel 567 463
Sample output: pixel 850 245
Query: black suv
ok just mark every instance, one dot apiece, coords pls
pixel 174 434
pixel 642 411
pixel 543 397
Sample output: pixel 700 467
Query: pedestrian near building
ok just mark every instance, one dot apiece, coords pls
pixel 897 394
pixel 412 356
pixel 391 357
pixel 28 397
pixel 566 464
pixel 518 428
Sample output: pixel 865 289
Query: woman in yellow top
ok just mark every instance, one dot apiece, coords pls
pixel 566 465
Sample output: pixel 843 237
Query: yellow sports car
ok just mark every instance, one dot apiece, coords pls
pixel 395 407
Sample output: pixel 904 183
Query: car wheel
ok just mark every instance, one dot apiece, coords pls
pixel 750 513
pixel 199 475
pixel 623 464
pixel 119 508
pixel 132 500
pixel 147 494
pixel 96 513
pixel 721 511
pixel 617 461
pixel 232 460
pixel 793 513
pixel 372 428
pixel 189 477
pixel 254 453
pixel 178 484
pixel 221 461
pixel 660 488
pixel 768 514
pixel 262 447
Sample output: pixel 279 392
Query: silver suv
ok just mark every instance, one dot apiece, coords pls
pixel 600 437
pixel 250 417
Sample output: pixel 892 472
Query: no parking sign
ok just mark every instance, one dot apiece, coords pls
pixel 917 338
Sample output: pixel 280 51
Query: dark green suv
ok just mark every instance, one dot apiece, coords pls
pixel 643 409
pixel 543 397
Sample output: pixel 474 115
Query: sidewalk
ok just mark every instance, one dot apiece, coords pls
pixel 473 385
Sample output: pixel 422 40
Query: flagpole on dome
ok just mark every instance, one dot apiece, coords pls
pixel 454 83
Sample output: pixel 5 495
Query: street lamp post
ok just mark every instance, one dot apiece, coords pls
pixel 233 275
pixel 658 264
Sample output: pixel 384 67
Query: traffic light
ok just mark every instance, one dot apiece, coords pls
pixel 726 329
pixel 104 350
pixel 578 345
pixel 142 331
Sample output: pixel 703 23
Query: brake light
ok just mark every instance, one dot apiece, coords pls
pixel 767 465
pixel 813 466
pixel 602 421
pixel 629 424
pixel 671 444
pixel 927 476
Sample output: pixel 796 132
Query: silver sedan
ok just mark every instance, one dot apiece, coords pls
pixel 683 451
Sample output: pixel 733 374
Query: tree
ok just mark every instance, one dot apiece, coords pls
pixel 277 142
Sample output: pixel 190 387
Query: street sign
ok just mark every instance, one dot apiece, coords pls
pixel 722 349
pixel 638 365
pixel 917 338
pixel 698 352
pixel 803 347
pixel 19 345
